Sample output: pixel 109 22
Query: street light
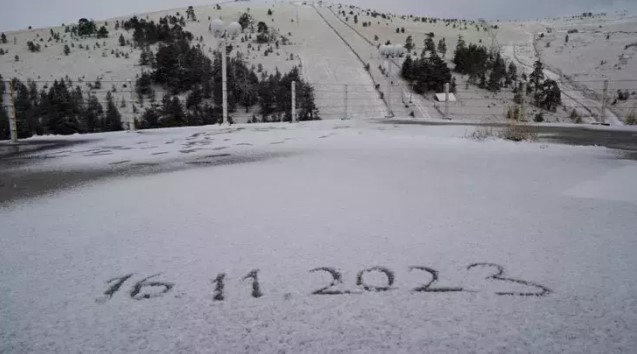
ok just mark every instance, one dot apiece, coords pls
pixel 220 31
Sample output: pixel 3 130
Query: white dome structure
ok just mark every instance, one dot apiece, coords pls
pixel 218 27
pixel 234 29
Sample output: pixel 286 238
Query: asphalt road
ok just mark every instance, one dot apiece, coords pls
pixel 623 140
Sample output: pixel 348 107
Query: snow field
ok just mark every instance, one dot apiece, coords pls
pixel 348 196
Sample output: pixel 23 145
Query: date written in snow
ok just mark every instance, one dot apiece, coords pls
pixel 149 287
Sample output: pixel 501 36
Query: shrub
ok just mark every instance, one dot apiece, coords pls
pixel 631 118
pixel 575 116
pixel 516 132
pixel 539 118
pixel 513 112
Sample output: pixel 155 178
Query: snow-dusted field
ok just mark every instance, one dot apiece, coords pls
pixel 221 250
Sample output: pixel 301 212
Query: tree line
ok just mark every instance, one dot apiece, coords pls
pixel 169 29
pixel 58 109
pixel 181 69
pixel 489 71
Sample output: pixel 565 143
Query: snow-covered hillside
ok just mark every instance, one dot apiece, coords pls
pixel 332 43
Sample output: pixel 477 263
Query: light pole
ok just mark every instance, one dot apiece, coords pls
pixel 219 30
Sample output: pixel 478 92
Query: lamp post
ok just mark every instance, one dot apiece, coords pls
pixel 219 30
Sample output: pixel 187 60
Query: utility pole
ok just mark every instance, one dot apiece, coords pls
pixel 131 123
pixel 523 103
pixel 391 112
pixel 224 80
pixel 346 103
pixel 13 127
pixel 604 100
pixel 293 101
pixel 446 101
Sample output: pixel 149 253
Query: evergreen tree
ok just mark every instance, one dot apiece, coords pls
pixel 550 95
pixel 150 119
pixel 245 21
pixel 442 47
pixel 172 112
pixel 102 32
pixel 67 50
pixel 498 73
pixel 430 46
pixel 190 13
pixel 93 116
pixel 113 119
pixel 409 43
pixel 262 27
pixel 122 40
pixel 512 74
pixel 62 111
pixel 406 71
pixel 84 28
pixel 33 47
pixel 3 39
pixel 535 78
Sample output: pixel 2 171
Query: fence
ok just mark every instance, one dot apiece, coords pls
pixel 602 101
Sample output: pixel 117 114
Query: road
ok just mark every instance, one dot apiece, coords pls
pixel 623 140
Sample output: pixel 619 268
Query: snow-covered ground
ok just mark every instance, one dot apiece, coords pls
pixel 340 197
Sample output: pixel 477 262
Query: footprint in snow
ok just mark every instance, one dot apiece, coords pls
pixel 119 163
pixel 145 164
pixel 214 156
pixel 188 151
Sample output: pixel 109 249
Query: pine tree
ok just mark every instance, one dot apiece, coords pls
pixel 113 119
pixel 102 33
pixel 172 112
pixel 245 20
pixel 122 40
pixel 409 43
pixel 190 13
pixel 406 71
pixel 535 78
pixel 93 116
pixel 498 73
pixel 550 95
pixel 67 50
pixel 512 74
pixel 3 39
